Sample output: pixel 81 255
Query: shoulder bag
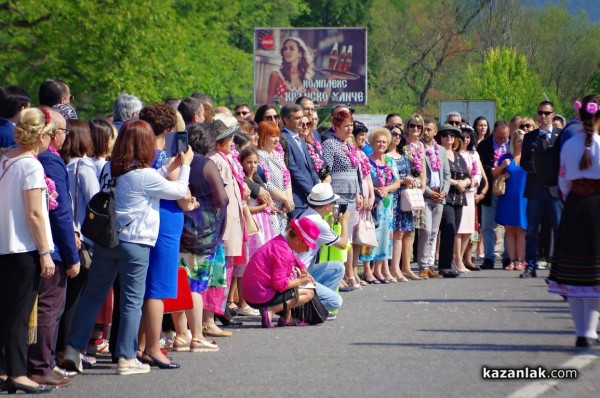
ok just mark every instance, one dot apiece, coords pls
pixel 411 199
pixel 499 186
pixel 312 312
pixel 364 232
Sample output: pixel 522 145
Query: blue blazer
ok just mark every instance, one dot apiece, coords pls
pixel 302 172
pixel 61 218
pixel 7 137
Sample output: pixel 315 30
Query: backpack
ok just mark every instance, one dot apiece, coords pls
pixel 546 160
pixel 100 223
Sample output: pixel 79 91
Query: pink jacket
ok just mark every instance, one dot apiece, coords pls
pixel 269 271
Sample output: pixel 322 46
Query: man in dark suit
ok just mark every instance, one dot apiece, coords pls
pixel 498 143
pixel 539 196
pixel 12 101
pixel 302 171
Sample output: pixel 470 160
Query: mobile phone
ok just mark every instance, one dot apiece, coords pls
pixel 175 142
pixel 343 207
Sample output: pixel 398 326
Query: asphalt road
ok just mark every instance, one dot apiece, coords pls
pixel 413 339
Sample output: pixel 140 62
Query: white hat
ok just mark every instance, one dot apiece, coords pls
pixel 322 194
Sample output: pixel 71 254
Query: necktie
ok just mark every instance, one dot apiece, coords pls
pixel 299 144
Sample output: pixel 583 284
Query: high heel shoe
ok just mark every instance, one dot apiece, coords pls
pixel 11 387
pixel 162 365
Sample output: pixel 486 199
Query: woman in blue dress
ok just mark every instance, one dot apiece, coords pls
pixel 385 182
pixel 511 208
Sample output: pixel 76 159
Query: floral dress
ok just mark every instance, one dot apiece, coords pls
pixel 383 212
pixel 276 176
pixel 403 220
pixel 415 155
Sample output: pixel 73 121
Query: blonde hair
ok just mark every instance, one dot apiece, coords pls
pixel 513 138
pixel 375 134
pixel 180 124
pixel 32 125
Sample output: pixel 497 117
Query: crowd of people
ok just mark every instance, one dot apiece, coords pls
pixel 265 212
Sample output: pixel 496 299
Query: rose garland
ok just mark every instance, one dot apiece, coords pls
pixel 384 174
pixel 50 184
pixel 266 171
pixel 434 156
pixel 474 169
pixel 365 166
pixel 417 155
pixel 350 151
pixel 314 151
pixel 498 152
pixel 286 173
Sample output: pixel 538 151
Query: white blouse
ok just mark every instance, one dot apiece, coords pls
pixel 570 155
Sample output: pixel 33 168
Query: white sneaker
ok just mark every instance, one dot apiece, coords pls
pixel 131 366
pixel 248 311
pixel 72 360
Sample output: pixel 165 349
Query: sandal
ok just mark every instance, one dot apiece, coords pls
pixel 233 308
pixel 203 345
pixel 180 345
pixel 212 330
pixel 519 265
pixel 353 285
pixel 510 266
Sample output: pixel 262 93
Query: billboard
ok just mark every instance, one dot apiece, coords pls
pixel 328 65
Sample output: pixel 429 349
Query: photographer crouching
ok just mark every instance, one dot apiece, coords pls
pixel 327 275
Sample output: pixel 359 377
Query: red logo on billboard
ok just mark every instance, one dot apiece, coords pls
pixel 267 42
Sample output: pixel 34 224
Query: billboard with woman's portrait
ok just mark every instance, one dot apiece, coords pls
pixel 328 65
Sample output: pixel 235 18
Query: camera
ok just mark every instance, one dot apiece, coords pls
pixel 339 208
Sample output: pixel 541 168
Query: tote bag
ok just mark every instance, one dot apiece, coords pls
pixel 364 232
pixel 411 199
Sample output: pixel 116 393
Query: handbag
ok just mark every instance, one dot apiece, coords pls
pixel 499 186
pixel 411 199
pixel 364 232
pixel 312 312
pixel 183 301
pixel 251 226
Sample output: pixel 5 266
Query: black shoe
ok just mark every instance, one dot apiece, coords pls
pixel 487 264
pixel 227 322
pixel 162 365
pixel 529 273
pixel 449 273
pixel 12 387
pixel 473 267
pixel 505 262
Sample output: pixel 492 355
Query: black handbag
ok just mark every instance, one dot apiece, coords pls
pixel 312 312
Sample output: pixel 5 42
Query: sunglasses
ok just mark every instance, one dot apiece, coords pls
pixel 446 134
pixel 526 125
pixel 306 125
pixel 545 113
pixel 415 126
pixel 272 117
pixel 395 134
pixel 242 113
pixel 66 131
pixel 454 122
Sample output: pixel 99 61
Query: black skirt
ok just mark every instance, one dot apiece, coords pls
pixel 576 259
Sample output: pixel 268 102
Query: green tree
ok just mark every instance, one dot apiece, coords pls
pixel 505 77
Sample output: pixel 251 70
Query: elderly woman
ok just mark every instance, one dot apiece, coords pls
pixel 276 174
pixel 386 182
pixel 235 232
pixel 511 207
pixel 25 243
pixel 270 284
pixel 342 159
pixel 138 190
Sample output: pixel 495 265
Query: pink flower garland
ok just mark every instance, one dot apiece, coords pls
pixel 498 152
pixel 314 151
pixel 350 151
pixel 50 186
pixel 417 155
pixel 266 171
pixel 474 169
pixel 384 175
pixel 286 173
pixel 365 166
pixel 235 155
pixel 434 156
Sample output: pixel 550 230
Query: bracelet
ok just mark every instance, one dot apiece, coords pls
pixel 41 253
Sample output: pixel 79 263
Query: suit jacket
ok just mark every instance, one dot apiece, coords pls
pixel 302 172
pixel 7 137
pixel 444 173
pixel 485 149
pixel 533 186
pixel 233 235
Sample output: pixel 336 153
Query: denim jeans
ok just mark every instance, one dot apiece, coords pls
pixel 535 210
pixel 328 276
pixel 488 226
pixel 130 262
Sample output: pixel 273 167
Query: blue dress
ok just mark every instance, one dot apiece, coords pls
pixel 512 206
pixel 161 281
pixel 383 216
pixel 403 220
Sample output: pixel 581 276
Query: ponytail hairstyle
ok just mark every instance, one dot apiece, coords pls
pixel 589 113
